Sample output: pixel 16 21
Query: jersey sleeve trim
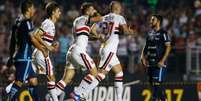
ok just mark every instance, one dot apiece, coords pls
pixel 28 25
pixel 82 33
pixel 48 36
pixel 167 43
pixel 166 38
pixel 85 29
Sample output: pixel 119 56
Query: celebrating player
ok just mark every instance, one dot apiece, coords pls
pixel 45 35
pixel 77 55
pixel 112 25
pixel 154 56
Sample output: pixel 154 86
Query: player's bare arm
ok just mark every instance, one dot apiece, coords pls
pixel 97 17
pixel 95 35
pixel 38 35
pixel 143 59
pixel 37 44
pixel 167 52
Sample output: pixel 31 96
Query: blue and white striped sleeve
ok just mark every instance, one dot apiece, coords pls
pixel 166 38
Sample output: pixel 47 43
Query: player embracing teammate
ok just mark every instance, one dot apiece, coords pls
pixel 115 24
pixel 90 25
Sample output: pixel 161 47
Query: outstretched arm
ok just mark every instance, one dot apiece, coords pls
pixel 95 35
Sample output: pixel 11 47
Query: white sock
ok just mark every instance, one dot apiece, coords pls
pixel 83 87
pixel 50 84
pixel 95 82
pixel 119 85
pixel 88 84
pixel 8 88
pixel 52 90
pixel 60 87
pixel 53 94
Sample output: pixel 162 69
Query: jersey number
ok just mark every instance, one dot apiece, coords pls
pixel 109 27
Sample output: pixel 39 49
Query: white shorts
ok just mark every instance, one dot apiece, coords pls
pixel 42 65
pixel 108 60
pixel 77 59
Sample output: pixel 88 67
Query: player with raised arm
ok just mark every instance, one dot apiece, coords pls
pixel 77 55
pixel 113 23
pixel 22 40
pixel 45 35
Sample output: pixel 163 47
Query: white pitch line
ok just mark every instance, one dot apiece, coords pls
pixel 132 83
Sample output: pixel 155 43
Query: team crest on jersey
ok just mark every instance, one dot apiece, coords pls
pixel 82 20
pixel 151 35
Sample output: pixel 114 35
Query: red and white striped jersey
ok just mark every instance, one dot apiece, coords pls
pixel 81 32
pixel 48 28
pixel 113 22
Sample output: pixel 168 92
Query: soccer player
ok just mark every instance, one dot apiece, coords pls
pixel 154 56
pixel 22 40
pixel 78 55
pixel 113 23
pixel 45 35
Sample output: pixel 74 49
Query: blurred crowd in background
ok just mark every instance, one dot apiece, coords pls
pixel 182 20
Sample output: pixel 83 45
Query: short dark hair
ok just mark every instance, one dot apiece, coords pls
pixel 85 6
pixel 50 7
pixel 112 3
pixel 158 17
pixel 25 5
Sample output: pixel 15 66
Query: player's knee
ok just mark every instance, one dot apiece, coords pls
pixel 119 76
pixel 51 78
pixel 69 74
pixel 103 71
pixel 100 76
pixel 94 72
pixel 33 81
pixel 117 68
